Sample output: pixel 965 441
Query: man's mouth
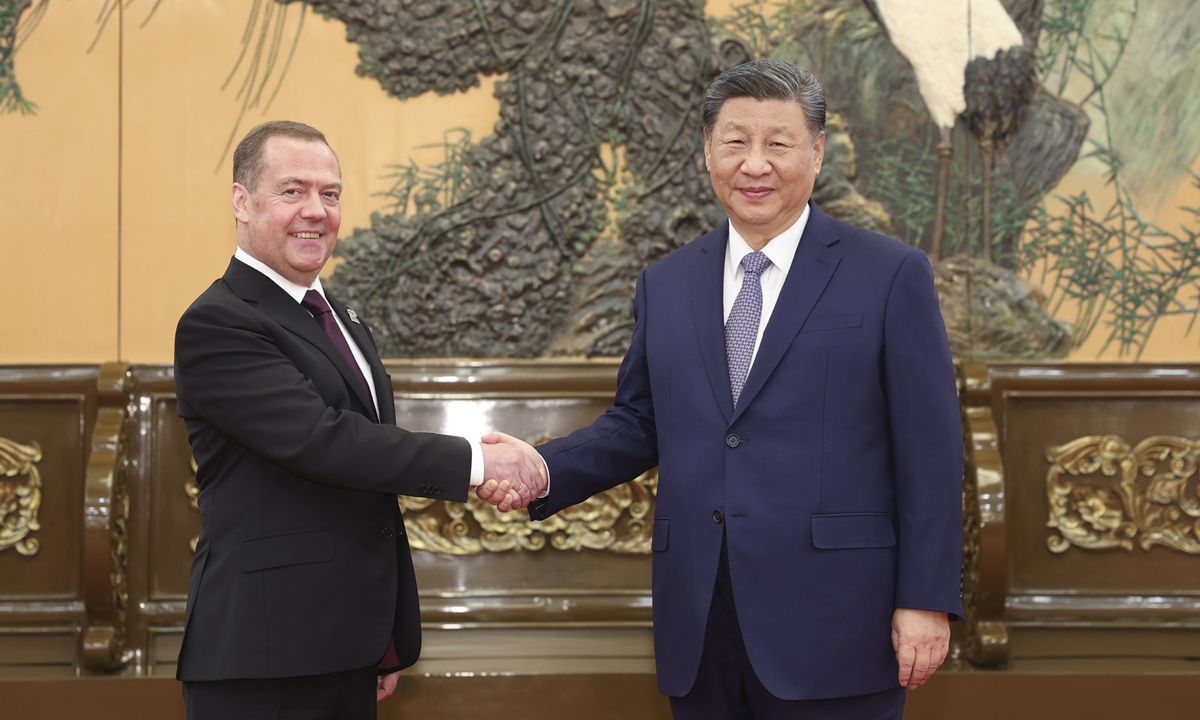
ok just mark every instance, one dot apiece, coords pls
pixel 307 235
pixel 755 193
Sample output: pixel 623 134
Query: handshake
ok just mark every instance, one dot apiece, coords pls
pixel 514 475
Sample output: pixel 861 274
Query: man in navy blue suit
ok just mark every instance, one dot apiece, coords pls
pixel 791 378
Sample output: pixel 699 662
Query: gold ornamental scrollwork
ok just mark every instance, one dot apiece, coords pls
pixel 1154 501
pixel 617 520
pixel 19 500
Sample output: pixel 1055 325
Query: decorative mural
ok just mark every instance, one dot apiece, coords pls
pixel 951 127
pixel 514 246
pixel 528 242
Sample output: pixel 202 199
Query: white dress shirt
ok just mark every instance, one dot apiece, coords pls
pixel 781 249
pixel 297 293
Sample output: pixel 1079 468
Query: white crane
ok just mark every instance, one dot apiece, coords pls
pixel 939 38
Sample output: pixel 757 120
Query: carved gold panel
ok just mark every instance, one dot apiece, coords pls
pixel 1154 501
pixel 20 499
pixel 616 521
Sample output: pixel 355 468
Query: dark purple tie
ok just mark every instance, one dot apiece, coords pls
pixel 315 303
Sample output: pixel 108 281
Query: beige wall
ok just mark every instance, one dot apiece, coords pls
pixel 121 213
pixel 58 197
pixel 175 235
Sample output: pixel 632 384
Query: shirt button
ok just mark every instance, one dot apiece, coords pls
pixel 718 517
pixel 733 441
pixel 387 533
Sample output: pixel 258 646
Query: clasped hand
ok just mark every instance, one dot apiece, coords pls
pixel 513 472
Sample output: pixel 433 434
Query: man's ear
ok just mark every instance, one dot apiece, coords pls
pixel 819 152
pixel 241 202
pixel 708 152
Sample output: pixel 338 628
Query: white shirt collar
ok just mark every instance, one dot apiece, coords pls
pixel 296 291
pixel 781 249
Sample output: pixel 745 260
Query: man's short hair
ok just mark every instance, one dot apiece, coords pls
pixel 249 157
pixel 768 80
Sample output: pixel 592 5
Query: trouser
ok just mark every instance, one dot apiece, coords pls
pixel 335 696
pixel 726 687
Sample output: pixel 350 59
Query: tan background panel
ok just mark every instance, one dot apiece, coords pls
pixel 58 195
pixel 176 233
pixel 118 211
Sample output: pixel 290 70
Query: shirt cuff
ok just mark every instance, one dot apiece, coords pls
pixel 476 462
pixel 547 468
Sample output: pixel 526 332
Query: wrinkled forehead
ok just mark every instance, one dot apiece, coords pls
pixel 761 117
pixel 297 157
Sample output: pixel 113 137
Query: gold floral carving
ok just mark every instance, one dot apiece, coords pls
pixel 617 520
pixel 1154 502
pixel 19 501
pixel 191 488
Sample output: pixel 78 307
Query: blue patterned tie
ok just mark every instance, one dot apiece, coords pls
pixel 741 329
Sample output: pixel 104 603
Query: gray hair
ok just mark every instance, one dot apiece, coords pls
pixel 249 158
pixel 768 80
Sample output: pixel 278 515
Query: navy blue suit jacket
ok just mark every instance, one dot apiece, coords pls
pixel 837 476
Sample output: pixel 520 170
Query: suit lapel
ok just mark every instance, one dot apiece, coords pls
pixel 811 270
pixel 383 384
pixel 251 285
pixel 707 281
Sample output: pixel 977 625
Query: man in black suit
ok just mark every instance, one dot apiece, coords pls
pixel 302 601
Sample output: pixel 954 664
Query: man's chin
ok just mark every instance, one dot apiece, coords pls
pixel 307 266
pixel 759 220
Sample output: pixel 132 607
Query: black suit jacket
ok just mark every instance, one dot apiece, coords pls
pixel 302 566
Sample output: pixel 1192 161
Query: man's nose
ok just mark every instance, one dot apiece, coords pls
pixel 756 163
pixel 313 207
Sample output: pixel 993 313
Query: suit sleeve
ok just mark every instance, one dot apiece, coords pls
pixel 619 446
pixel 230 372
pixel 927 448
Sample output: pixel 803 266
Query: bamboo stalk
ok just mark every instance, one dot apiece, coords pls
pixel 945 151
pixel 986 152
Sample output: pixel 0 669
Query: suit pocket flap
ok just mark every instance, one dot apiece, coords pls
pixel 832 322
pixel 662 532
pixel 283 550
pixel 839 532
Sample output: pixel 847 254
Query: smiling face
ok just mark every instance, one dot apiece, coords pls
pixel 763 162
pixel 290 220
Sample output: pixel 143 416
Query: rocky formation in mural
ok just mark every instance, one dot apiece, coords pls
pixel 991 313
pixel 528 242
pixel 537 245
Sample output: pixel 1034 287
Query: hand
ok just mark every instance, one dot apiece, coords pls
pixel 921 639
pixel 385 685
pixel 514 474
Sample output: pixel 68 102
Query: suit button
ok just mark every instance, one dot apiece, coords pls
pixel 387 533
pixel 437 491
pixel 718 517
pixel 733 441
